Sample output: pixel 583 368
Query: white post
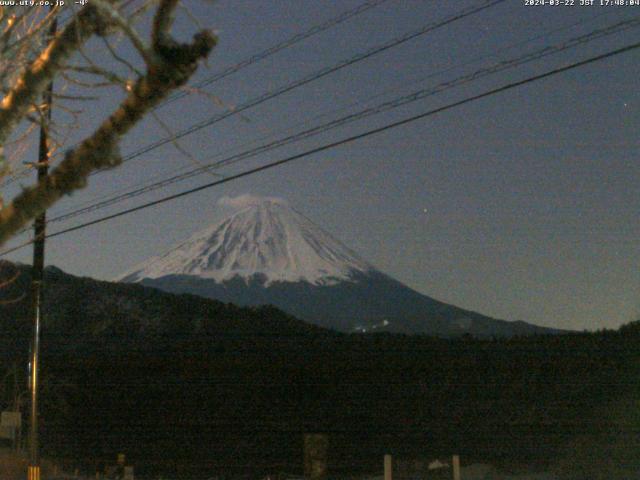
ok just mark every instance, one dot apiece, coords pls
pixel 456 467
pixel 388 467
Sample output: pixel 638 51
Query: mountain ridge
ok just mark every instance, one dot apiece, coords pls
pixel 148 371
pixel 268 238
pixel 268 253
pixel 377 304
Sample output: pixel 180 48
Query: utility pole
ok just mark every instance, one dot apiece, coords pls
pixel 33 471
pixel 388 467
pixel 455 463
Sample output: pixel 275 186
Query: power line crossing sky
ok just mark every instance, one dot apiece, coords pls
pixel 520 206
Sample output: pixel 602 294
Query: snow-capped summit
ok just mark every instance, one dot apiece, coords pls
pixel 268 253
pixel 266 238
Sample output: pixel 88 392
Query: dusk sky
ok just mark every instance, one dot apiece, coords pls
pixel 522 206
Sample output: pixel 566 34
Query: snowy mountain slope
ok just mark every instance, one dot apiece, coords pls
pixel 269 239
pixel 267 253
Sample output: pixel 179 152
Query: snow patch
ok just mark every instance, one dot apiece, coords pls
pixel 265 237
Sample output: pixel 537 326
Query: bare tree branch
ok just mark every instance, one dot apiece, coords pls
pixel 124 25
pixel 162 22
pixel 37 76
pixel 171 65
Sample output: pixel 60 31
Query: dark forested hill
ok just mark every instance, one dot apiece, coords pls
pixel 188 385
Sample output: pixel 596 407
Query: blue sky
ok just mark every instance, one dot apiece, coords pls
pixel 523 205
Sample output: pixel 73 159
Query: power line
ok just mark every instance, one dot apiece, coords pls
pixel 109 199
pixel 350 139
pixel 289 42
pixel 312 77
pixel 278 47
pixel 383 107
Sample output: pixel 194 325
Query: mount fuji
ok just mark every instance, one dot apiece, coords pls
pixel 269 253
